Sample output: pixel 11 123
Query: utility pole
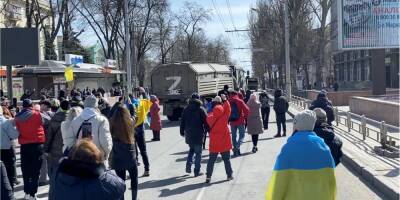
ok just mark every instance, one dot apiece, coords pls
pixel 127 48
pixel 287 52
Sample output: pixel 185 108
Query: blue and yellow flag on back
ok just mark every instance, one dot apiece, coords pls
pixel 304 170
pixel 142 111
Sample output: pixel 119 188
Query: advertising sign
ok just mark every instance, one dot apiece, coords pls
pixel 17 86
pixel 110 63
pixel 368 24
pixel 71 59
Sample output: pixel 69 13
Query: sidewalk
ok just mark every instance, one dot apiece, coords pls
pixel 381 172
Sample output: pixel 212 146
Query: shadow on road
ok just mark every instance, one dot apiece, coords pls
pixel 163 182
pixel 180 190
pixel 180 153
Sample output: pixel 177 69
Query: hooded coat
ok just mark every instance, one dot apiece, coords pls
pixel 54 141
pixel 155 123
pixel 220 137
pixel 281 105
pixel 81 181
pixel 194 123
pixel 323 103
pixel 325 131
pixel 101 134
pixel 254 122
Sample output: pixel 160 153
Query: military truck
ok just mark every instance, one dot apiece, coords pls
pixel 252 84
pixel 174 83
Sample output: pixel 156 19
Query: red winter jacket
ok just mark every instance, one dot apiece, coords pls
pixel 29 124
pixel 243 110
pixel 220 137
pixel 155 123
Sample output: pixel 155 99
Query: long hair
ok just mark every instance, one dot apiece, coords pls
pixel 86 151
pixel 121 125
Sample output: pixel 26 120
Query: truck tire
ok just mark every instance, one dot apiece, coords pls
pixel 176 114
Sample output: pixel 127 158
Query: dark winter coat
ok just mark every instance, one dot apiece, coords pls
pixel 194 123
pixel 104 107
pixel 281 105
pixel 82 181
pixel 123 155
pixel 323 103
pixel 325 131
pixel 54 141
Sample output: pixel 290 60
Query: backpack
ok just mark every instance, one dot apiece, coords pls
pixel 86 128
pixel 235 114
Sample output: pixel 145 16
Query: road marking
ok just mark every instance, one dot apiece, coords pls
pixel 201 193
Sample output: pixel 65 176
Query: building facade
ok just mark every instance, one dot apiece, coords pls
pixel 13 14
pixel 352 69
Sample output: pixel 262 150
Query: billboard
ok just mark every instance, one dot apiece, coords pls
pixel 19 46
pixel 368 24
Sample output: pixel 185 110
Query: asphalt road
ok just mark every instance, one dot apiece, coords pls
pixel 168 179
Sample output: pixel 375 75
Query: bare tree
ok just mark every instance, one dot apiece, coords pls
pixel 104 18
pixel 190 19
pixel 56 15
pixel 165 39
pixel 321 9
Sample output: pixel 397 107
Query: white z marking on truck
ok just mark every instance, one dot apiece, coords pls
pixel 176 79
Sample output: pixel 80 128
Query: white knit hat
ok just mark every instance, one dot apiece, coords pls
pixel 91 102
pixel 217 99
pixel 304 121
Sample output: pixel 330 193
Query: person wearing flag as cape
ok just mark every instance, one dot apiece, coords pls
pixel 143 109
pixel 304 169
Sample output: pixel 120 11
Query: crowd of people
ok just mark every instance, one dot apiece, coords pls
pixel 74 142
pixel 85 146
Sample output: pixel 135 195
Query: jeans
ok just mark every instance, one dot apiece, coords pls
pixel 195 150
pixel 43 171
pixel 52 165
pixel 236 143
pixel 226 156
pixel 254 139
pixel 141 143
pixel 8 158
pixel 31 162
pixel 133 174
pixel 265 116
pixel 281 122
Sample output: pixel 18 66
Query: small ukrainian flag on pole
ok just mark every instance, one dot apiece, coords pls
pixel 69 73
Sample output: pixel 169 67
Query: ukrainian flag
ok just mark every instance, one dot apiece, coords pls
pixel 69 73
pixel 304 170
pixel 142 111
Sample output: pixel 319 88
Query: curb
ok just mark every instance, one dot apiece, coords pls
pixel 367 174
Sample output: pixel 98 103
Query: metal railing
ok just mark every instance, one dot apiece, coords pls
pixel 348 122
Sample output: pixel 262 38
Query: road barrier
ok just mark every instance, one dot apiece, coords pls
pixel 351 122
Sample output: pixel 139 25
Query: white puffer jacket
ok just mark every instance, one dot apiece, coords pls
pixel 100 131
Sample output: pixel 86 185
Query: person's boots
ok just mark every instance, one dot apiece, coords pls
pixel 277 135
pixel 284 135
pixel 158 136
pixel 154 137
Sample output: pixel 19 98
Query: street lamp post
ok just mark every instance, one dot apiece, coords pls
pixel 127 48
pixel 287 51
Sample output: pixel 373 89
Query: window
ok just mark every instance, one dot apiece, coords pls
pixel 367 71
pixel 351 72
pixel 359 71
pixel 362 70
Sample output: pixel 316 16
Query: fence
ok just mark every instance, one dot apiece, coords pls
pixel 348 122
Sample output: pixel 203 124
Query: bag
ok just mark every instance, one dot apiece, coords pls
pixel 86 128
pixel 235 114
